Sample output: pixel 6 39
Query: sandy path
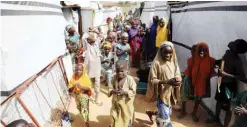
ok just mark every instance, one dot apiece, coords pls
pixel 100 116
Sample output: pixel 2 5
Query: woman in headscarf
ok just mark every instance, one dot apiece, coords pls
pixel 81 88
pixel 232 72
pixel 151 46
pixel 163 79
pixel 135 43
pixel 202 71
pixel 161 32
pixel 72 41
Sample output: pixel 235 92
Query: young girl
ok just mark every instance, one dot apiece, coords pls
pixel 107 62
pixel 186 90
pixel 81 88
pixel 123 49
pixel 123 90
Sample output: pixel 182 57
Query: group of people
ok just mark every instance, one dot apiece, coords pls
pixel 165 79
pixel 95 56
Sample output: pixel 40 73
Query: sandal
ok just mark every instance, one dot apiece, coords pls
pixel 195 118
pixel 181 115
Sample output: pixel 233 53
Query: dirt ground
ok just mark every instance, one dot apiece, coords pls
pixel 100 116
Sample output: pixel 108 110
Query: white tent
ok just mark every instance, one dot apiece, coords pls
pixel 216 23
pixel 32 37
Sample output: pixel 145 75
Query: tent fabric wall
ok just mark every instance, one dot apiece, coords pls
pixel 87 19
pixel 162 10
pixel 148 13
pixel 211 22
pixel 154 8
pixel 29 48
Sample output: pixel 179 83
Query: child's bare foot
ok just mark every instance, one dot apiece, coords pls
pixel 87 124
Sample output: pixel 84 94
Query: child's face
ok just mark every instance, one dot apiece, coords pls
pixel 124 40
pixel 202 51
pixel 107 50
pixel 120 70
pixel 110 38
pixel 79 70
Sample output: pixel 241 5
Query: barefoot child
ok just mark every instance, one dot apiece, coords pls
pixel 123 91
pixel 81 88
pixel 107 62
pixel 186 85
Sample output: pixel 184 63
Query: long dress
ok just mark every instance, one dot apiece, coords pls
pixel 202 71
pixel 150 45
pixel 135 44
pixel 122 110
pixel 165 94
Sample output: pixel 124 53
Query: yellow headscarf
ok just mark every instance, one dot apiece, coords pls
pixel 107 45
pixel 161 34
pixel 83 80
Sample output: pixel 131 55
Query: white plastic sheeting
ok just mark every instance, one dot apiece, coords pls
pixel 161 10
pixel 98 18
pixel 87 19
pixel 148 13
pixel 154 8
pixel 28 40
pixel 216 28
pixel 111 12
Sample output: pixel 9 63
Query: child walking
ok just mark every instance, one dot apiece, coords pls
pixel 123 91
pixel 81 88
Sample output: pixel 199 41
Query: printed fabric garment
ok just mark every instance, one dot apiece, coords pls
pixel 82 105
pixel 74 41
pixel 164 112
pixel 122 48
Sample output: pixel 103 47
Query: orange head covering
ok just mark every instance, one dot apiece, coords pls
pixel 202 69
